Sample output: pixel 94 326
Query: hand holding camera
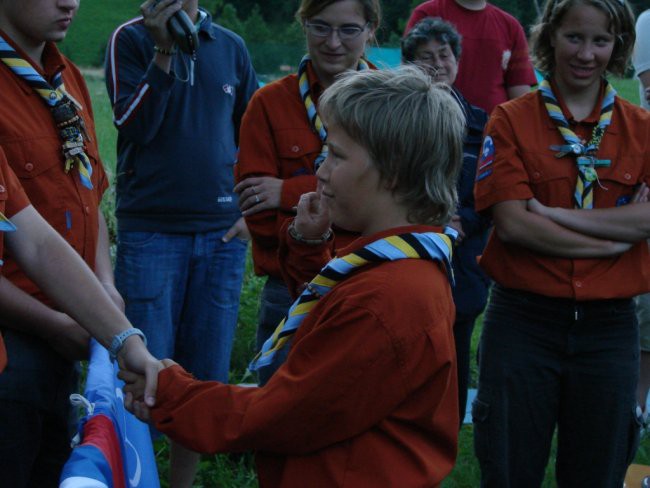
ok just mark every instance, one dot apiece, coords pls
pixel 170 26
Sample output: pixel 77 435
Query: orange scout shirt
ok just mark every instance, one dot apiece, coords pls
pixel 276 139
pixel 367 397
pixel 33 148
pixel 518 164
pixel 12 201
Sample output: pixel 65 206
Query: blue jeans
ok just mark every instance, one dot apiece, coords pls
pixel 183 291
pixel 274 305
pixel 550 361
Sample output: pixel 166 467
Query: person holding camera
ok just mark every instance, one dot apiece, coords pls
pixel 179 85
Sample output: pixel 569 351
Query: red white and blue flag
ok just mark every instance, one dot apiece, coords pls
pixel 115 449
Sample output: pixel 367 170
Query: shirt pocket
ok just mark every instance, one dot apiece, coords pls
pixel 616 184
pixel 297 149
pixel 552 180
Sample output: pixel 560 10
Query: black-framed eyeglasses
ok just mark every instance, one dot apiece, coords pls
pixel 345 32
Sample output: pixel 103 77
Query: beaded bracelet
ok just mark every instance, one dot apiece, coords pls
pixel 166 52
pixel 312 242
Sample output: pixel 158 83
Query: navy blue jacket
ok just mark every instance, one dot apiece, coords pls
pixel 177 140
pixel 471 289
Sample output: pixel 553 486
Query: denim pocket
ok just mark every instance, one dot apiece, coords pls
pixel 133 238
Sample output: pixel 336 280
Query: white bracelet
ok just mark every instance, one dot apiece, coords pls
pixel 118 341
pixel 312 242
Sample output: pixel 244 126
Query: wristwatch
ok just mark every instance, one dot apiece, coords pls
pixel 118 341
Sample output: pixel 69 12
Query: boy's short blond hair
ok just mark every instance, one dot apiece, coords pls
pixel 413 131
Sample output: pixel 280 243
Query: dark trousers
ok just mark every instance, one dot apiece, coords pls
pixel 274 305
pixel 547 362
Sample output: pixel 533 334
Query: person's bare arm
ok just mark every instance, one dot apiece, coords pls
pixel 515 224
pixel 61 273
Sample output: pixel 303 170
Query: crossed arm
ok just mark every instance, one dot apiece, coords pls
pixel 570 233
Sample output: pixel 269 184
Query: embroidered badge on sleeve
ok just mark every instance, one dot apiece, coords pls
pixel 487 158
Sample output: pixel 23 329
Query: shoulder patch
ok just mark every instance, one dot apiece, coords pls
pixel 487 158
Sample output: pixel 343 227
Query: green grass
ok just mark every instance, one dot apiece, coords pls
pixel 237 471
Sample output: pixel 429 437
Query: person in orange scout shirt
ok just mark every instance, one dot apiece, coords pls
pixel 282 141
pixel 367 396
pixel 59 271
pixel 563 174
pixel 48 135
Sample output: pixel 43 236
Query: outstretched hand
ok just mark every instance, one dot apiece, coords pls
pixel 135 357
pixel 135 390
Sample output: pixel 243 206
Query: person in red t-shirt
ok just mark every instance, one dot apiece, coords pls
pixel 367 396
pixel 496 66
pixel 282 140
pixel 564 174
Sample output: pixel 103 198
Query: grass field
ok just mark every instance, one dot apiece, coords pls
pixel 237 471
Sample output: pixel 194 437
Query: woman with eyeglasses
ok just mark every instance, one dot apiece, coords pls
pixel 435 45
pixel 282 141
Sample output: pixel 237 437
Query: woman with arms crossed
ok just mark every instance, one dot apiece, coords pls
pixel 559 172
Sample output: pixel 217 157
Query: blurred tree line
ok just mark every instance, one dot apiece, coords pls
pixel 259 20
pixel 274 37
pixel 272 32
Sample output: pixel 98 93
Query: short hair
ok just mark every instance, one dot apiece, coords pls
pixel 412 129
pixel 621 25
pixel 430 29
pixel 310 8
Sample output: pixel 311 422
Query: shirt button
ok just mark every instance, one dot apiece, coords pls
pixel 295 148
pixel 2 189
pixel 627 176
pixel 578 284
pixel 87 209
pixel 29 166
pixel 536 174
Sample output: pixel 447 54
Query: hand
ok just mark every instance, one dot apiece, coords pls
pixel 115 296
pixel 258 193
pixel 456 223
pixel 239 230
pixel 134 391
pixel 312 217
pixel 135 357
pixel 70 340
pixel 535 207
pixel 156 14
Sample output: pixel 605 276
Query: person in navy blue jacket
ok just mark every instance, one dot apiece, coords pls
pixel 181 252
pixel 435 45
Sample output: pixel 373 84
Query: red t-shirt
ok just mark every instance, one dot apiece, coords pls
pixel 494 50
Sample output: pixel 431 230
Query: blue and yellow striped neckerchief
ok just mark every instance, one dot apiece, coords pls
pixel 312 113
pixel 585 154
pixel 68 122
pixel 428 245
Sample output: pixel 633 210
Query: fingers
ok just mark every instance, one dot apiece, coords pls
pixel 151 383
